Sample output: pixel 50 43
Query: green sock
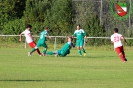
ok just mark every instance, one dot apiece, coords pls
pixel 79 51
pixel 83 50
pixel 32 50
pixel 45 50
pixel 50 53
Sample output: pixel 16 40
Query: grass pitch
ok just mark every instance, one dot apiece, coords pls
pixel 99 69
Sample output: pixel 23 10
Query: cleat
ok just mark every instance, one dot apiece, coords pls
pixel 29 54
pixel 44 54
pixel 125 59
pixel 40 55
pixel 56 55
pixel 84 54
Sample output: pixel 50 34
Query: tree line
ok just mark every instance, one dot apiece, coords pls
pixel 59 15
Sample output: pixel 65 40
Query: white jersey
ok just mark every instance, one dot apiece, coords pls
pixel 116 38
pixel 27 34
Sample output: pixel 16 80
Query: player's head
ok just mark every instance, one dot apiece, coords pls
pixel 115 30
pixel 70 39
pixel 45 28
pixel 28 27
pixel 78 27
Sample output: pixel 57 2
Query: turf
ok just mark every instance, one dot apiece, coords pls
pixel 99 69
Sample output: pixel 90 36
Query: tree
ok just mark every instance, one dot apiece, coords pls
pixel 10 10
pixel 95 29
pixel 59 17
pixel 36 10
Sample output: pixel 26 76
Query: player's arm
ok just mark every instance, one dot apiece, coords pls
pixel 112 42
pixel 85 37
pixel 20 37
pixel 47 36
pixel 74 35
pixel 112 39
pixel 123 39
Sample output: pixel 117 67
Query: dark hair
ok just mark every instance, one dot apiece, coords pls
pixel 116 30
pixel 28 26
pixel 45 27
pixel 78 25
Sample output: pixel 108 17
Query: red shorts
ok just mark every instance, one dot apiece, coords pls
pixel 32 44
pixel 119 49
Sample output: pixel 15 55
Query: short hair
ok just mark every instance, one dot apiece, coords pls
pixel 28 26
pixel 116 30
pixel 78 25
pixel 45 27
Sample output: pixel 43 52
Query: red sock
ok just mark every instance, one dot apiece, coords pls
pixel 123 54
pixel 122 57
pixel 38 51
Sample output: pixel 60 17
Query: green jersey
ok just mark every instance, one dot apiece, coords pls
pixel 80 34
pixel 65 49
pixel 43 35
pixel 67 46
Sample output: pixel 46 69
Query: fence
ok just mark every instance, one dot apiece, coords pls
pixel 56 37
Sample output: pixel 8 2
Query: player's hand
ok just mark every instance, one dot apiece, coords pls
pixel 49 37
pixel 86 40
pixel 126 43
pixel 20 40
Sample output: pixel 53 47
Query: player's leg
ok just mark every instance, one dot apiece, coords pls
pixel 122 50
pixel 45 48
pixel 78 47
pixel 51 53
pixel 82 48
pixel 118 50
pixel 34 48
pixel 79 51
pixel 64 53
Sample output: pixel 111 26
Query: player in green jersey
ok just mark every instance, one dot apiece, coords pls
pixel 64 50
pixel 42 40
pixel 80 36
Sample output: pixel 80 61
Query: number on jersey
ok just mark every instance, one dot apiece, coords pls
pixel 116 39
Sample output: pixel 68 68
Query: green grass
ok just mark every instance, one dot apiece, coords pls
pixel 99 69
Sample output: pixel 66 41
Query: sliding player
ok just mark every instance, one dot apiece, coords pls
pixel 64 50
pixel 80 35
pixel 29 40
pixel 116 40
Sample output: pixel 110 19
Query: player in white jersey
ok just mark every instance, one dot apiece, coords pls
pixel 29 40
pixel 116 40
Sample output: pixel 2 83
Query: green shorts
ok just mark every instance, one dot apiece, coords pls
pixel 39 44
pixel 79 43
pixel 63 53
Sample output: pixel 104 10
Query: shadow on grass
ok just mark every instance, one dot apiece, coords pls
pixel 29 80
pixel 92 56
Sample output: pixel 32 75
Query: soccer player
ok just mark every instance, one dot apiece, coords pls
pixel 42 40
pixel 64 50
pixel 116 40
pixel 29 40
pixel 80 35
